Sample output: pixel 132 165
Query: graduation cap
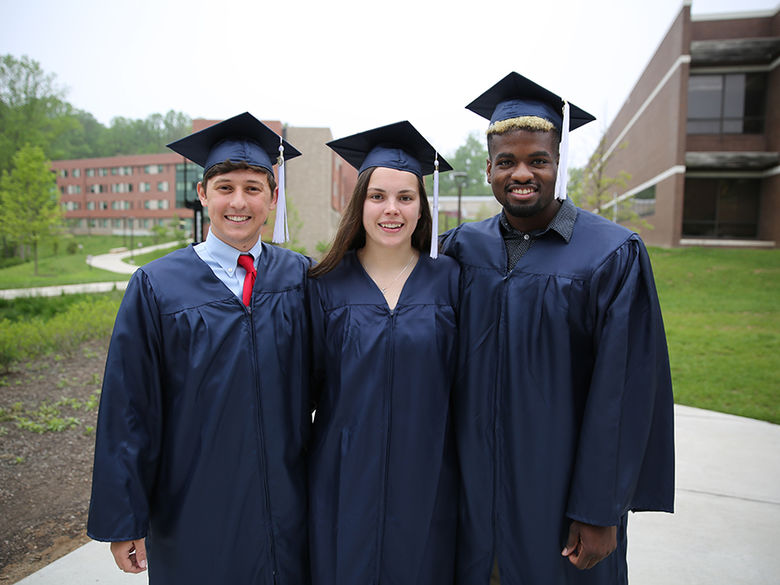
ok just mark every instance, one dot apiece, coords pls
pixel 242 138
pixel 396 146
pixel 516 96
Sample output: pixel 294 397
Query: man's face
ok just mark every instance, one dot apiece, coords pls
pixel 521 171
pixel 238 204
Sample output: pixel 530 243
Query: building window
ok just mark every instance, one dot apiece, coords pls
pixel 76 173
pixel 721 208
pixel 97 188
pixel 162 186
pixel 73 189
pixel 162 204
pixel 144 187
pixel 122 188
pixel 187 177
pixel 122 171
pixel 726 104
pixel 153 169
pixel 63 173
pixel 643 203
pixel 102 172
pixel 90 205
pixel 90 172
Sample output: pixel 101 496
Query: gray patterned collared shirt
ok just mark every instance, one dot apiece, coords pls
pixel 518 243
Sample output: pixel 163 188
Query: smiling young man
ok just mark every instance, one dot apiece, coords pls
pixel 204 413
pixel 563 416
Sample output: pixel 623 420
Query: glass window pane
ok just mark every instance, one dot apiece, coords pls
pixel 700 202
pixel 734 96
pixel 704 96
pixel 703 126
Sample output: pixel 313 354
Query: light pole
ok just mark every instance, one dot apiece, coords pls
pixel 461 177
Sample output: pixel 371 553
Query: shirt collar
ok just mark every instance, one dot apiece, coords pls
pixel 562 223
pixel 226 255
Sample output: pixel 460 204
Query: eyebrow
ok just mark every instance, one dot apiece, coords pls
pixel 530 155
pixel 380 190
pixel 226 180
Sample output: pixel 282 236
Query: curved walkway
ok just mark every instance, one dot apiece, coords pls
pixel 113 262
pixel 723 532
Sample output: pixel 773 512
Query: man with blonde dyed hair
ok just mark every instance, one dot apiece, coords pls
pixel 563 413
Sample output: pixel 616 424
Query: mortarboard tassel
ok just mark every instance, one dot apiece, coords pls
pixel 435 210
pixel 563 159
pixel 281 233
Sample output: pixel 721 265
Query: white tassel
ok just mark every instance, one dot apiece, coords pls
pixel 563 158
pixel 435 210
pixel 281 233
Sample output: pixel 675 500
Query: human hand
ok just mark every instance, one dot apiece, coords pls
pixel 588 545
pixel 130 555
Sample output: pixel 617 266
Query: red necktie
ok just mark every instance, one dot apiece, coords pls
pixel 246 262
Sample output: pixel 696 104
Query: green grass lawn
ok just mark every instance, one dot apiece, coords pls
pixel 722 314
pixel 64 268
pixel 141 259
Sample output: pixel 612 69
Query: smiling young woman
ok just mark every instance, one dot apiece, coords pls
pixel 382 474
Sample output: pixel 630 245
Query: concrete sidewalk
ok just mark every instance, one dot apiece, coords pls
pixel 723 532
pixel 116 262
pixel 112 262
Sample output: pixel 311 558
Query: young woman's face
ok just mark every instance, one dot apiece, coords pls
pixel 391 208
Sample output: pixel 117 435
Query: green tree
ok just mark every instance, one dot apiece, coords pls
pixel 29 200
pixel 593 188
pixel 137 136
pixel 32 109
pixel 469 158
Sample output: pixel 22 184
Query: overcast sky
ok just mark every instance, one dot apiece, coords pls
pixel 347 65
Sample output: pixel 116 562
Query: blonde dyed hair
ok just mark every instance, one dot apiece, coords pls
pixel 530 123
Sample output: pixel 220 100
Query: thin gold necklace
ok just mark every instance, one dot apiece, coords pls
pixel 397 276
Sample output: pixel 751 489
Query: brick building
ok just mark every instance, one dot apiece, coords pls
pixel 129 194
pixel 700 134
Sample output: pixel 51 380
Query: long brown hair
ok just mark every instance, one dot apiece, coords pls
pixel 351 234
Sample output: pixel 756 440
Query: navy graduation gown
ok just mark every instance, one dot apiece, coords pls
pixel 383 476
pixel 565 409
pixel 203 421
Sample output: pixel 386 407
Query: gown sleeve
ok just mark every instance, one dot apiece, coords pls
pixel 318 345
pixel 625 456
pixel 129 424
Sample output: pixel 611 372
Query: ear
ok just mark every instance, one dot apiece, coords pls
pixel 487 170
pixel 202 194
pixel 274 199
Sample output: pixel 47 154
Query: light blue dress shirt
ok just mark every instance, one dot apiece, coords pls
pixel 223 261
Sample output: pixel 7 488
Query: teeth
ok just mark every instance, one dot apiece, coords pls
pixel 523 190
pixel 390 225
pixel 237 217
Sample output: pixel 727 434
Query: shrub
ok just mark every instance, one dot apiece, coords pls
pixel 88 318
